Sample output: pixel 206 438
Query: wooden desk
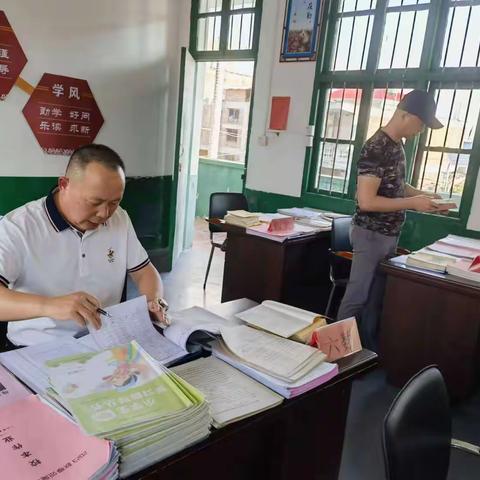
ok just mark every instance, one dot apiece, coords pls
pixel 430 318
pixel 301 439
pixel 295 271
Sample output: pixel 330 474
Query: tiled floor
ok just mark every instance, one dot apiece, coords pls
pixel 371 395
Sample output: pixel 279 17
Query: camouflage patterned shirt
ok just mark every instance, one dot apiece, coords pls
pixel 384 158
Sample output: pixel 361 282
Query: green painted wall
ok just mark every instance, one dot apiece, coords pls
pixel 216 176
pixel 420 229
pixel 146 199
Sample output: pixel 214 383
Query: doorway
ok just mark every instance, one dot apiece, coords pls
pixel 213 134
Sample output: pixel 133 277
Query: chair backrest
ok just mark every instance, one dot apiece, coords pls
pixel 221 202
pixel 340 237
pixel 417 429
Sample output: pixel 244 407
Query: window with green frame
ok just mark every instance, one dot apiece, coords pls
pixel 225 29
pixel 376 51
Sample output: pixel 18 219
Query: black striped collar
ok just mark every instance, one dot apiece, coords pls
pixel 56 219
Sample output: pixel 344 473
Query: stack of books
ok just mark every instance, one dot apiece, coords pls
pixel 242 218
pixel 287 367
pixel 123 395
pixel 430 261
pixel 232 396
pixel 467 269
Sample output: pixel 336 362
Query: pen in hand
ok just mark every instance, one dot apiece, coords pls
pixel 104 312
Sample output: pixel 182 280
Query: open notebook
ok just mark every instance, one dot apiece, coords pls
pixel 283 320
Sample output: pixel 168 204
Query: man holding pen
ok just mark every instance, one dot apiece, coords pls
pixel 66 255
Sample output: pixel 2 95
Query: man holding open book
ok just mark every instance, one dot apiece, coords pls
pixel 383 196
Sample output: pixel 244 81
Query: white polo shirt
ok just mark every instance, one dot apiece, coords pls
pixel 41 253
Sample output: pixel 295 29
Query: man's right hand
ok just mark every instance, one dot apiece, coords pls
pixel 423 203
pixel 78 306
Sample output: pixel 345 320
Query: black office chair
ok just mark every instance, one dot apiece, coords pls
pixel 220 203
pixel 417 430
pixel 340 256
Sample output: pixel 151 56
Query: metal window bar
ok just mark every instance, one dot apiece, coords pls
pixel 447 45
pixel 214 32
pixel 465 36
pixel 411 37
pixel 250 34
pixel 395 40
pixel 338 134
pixel 339 22
pixel 230 32
pixel 366 35
pixel 445 139
pixel 467 110
pixel 427 149
pixel 351 40
pixel 240 33
pixel 322 138
pixel 352 136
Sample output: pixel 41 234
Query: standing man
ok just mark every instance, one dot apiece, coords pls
pixel 382 198
pixel 67 254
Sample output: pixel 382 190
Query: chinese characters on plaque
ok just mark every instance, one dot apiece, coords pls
pixel 63 114
pixel 12 58
pixel 300 30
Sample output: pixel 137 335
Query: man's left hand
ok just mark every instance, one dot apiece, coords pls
pixel 158 314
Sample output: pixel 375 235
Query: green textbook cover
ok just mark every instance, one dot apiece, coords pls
pixel 117 389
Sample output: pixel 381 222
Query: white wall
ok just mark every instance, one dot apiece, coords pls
pixel 278 167
pixel 128 50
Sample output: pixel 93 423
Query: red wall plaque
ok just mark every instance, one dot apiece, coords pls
pixel 12 58
pixel 63 114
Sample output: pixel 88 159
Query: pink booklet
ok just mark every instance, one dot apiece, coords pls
pixel 11 390
pixel 37 442
pixel 337 339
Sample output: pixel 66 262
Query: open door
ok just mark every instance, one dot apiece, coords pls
pixel 181 192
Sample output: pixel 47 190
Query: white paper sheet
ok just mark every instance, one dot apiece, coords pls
pixel 190 320
pixel 131 321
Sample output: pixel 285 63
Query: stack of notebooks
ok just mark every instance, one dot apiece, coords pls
pixel 232 395
pixel 123 395
pixel 38 442
pixel 242 218
pixel 289 368
pixel 430 261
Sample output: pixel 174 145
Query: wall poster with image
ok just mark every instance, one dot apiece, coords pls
pixel 300 30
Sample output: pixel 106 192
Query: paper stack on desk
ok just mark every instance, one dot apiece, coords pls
pixel 37 442
pixel 123 395
pixel 242 218
pixel 271 360
pixel 232 395
pixel 289 368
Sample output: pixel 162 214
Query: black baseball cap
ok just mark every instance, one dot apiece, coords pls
pixel 422 104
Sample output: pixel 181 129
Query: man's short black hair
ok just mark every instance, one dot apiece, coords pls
pixel 94 152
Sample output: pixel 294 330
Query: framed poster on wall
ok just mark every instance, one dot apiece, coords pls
pixel 300 30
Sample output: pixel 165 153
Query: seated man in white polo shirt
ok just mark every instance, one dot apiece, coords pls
pixel 65 255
